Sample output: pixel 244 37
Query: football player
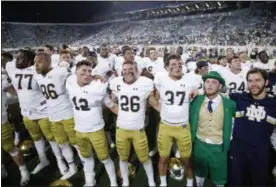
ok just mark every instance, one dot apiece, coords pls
pixel 154 67
pixel 60 111
pixel 7 134
pixel 202 69
pixel 13 104
pixel 65 57
pixel 105 61
pixel 174 91
pixel 104 68
pixel 222 61
pixel 263 62
pixel 235 77
pixel 132 93
pixel 83 55
pixel 153 63
pixel 33 108
pixel 87 97
pixel 54 57
pixel 229 53
pixel 128 55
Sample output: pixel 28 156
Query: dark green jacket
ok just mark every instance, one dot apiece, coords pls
pixel 229 112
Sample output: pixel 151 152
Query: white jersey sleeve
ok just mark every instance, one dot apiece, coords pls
pixel 119 64
pixel 5 84
pixel 5 80
pixel 64 73
pixel 55 60
pixel 156 66
pixel 158 79
pixel 114 85
pixel 268 66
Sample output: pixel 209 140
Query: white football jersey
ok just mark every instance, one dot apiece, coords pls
pixel 31 100
pixel 197 80
pixel 184 57
pixel 174 95
pixel 11 64
pixel 140 62
pixel 132 100
pixel 268 66
pixel 235 83
pixel 55 60
pixel 87 104
pixel 11 98
pixel 79 58
pixel 109 60
pixel 119 64
pixel 156 66
pixel 191 66
pixel 248 64
pixel 4 84
pixel 104 65
pixel 53 88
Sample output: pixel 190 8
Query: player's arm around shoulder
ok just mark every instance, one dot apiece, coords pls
pixel 113 107
pixel 110 101
pixel 232 105
pixel 10 89
pixel 6 84
pixel 63 73
pixel 153 97
pixel 69 80
pixel 153 100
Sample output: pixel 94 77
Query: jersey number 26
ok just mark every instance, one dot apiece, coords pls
pixel 129 103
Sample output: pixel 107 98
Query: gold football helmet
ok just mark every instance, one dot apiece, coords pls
pixel 26 147
pixel 176 169
pixel 61 183
pixel 131 172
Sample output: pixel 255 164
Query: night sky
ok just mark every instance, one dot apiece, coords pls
pixel 66 11
pixel 50 11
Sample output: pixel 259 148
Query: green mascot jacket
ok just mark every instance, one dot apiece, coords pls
pixel 229 112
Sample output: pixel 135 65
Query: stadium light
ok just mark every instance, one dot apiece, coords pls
pixel 169 10
pixel 197 6
pixel 207 5
pixel 178 9
pixel 187 7
pixel 219 3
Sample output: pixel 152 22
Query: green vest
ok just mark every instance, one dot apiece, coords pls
pixel 229 112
